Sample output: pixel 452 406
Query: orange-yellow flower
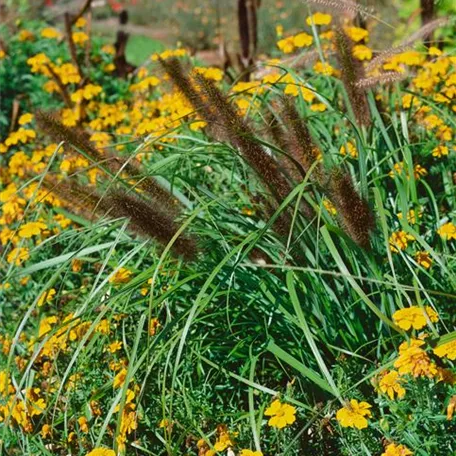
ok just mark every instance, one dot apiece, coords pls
pixel 414 360
pixel 451 408
pixel 423 259
pixel 319 19
pixel 397 450
pixel 414 317
pixel 46 297
pixel 101 452
pixel 30 229
pixel 447 231
pixel 448 350
pixel 354 414
pixel 399 240
pixel 18 255
pixel 390 384
pixel 281 414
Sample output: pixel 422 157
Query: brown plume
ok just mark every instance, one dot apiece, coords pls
pixel 353 210
pixel 352 71
pixel 79 139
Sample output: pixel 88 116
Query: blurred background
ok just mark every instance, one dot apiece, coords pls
pixel 205 25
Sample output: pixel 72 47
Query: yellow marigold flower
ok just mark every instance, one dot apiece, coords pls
pixel 214 74
pixel 357 33
pixel 423 259
pixel 87 93
pixel 396 450
pixel 223 442
pixel 114 346
pixel 448 350
pixel 46 297
pixel 46 431
pixel 25 118
pixel 362 52
pixel 109 68
pixel 101 452
pixel 319 19
pixel 81 22
pixel 451 408
pixel 26 35
pixel 281 414
pixel 120 378
pixel 419 171
pixel 38 62
pixel 108 49
pixel 324 68
pixel 123 275
pixel 70 118
pixel 103 327
pixel 247 87
pixel 414 360
pixel 22 135
pixel 350 148
pixel 432 121
pixel 169 53
pixel 18 255
pixel 286 45
pixel 412 58
pixel 399 240
pixel 83 424
pixel 302 40
pixel 329 207
pixel 50 33
pixel 354 414
pixel 50 87
pixel 447 231
pixel 46 325
pixel 409 100
pixel 2 54
pixel 62 220
pixel 100 139
pixel 390 384
pixel 80 37
pixel 398 169
pixel 154 324
pixel 444 133
pixel 414 317
pixel 250 453
pixel 329 35
pixel 165 423
pixel 68 74
pixel 411 215
pixel 279 30
pixel 318 107
pixel 30 229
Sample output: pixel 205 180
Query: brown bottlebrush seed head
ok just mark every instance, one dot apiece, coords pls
pixel 427 29
pixel 50 125
pixel 84 201
pixel 79 139
pixel 353 210
pixel 150 220
pixel 179 77
pixel 381 79
pixel 242 137
pixel 352 71
pixel 300 144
